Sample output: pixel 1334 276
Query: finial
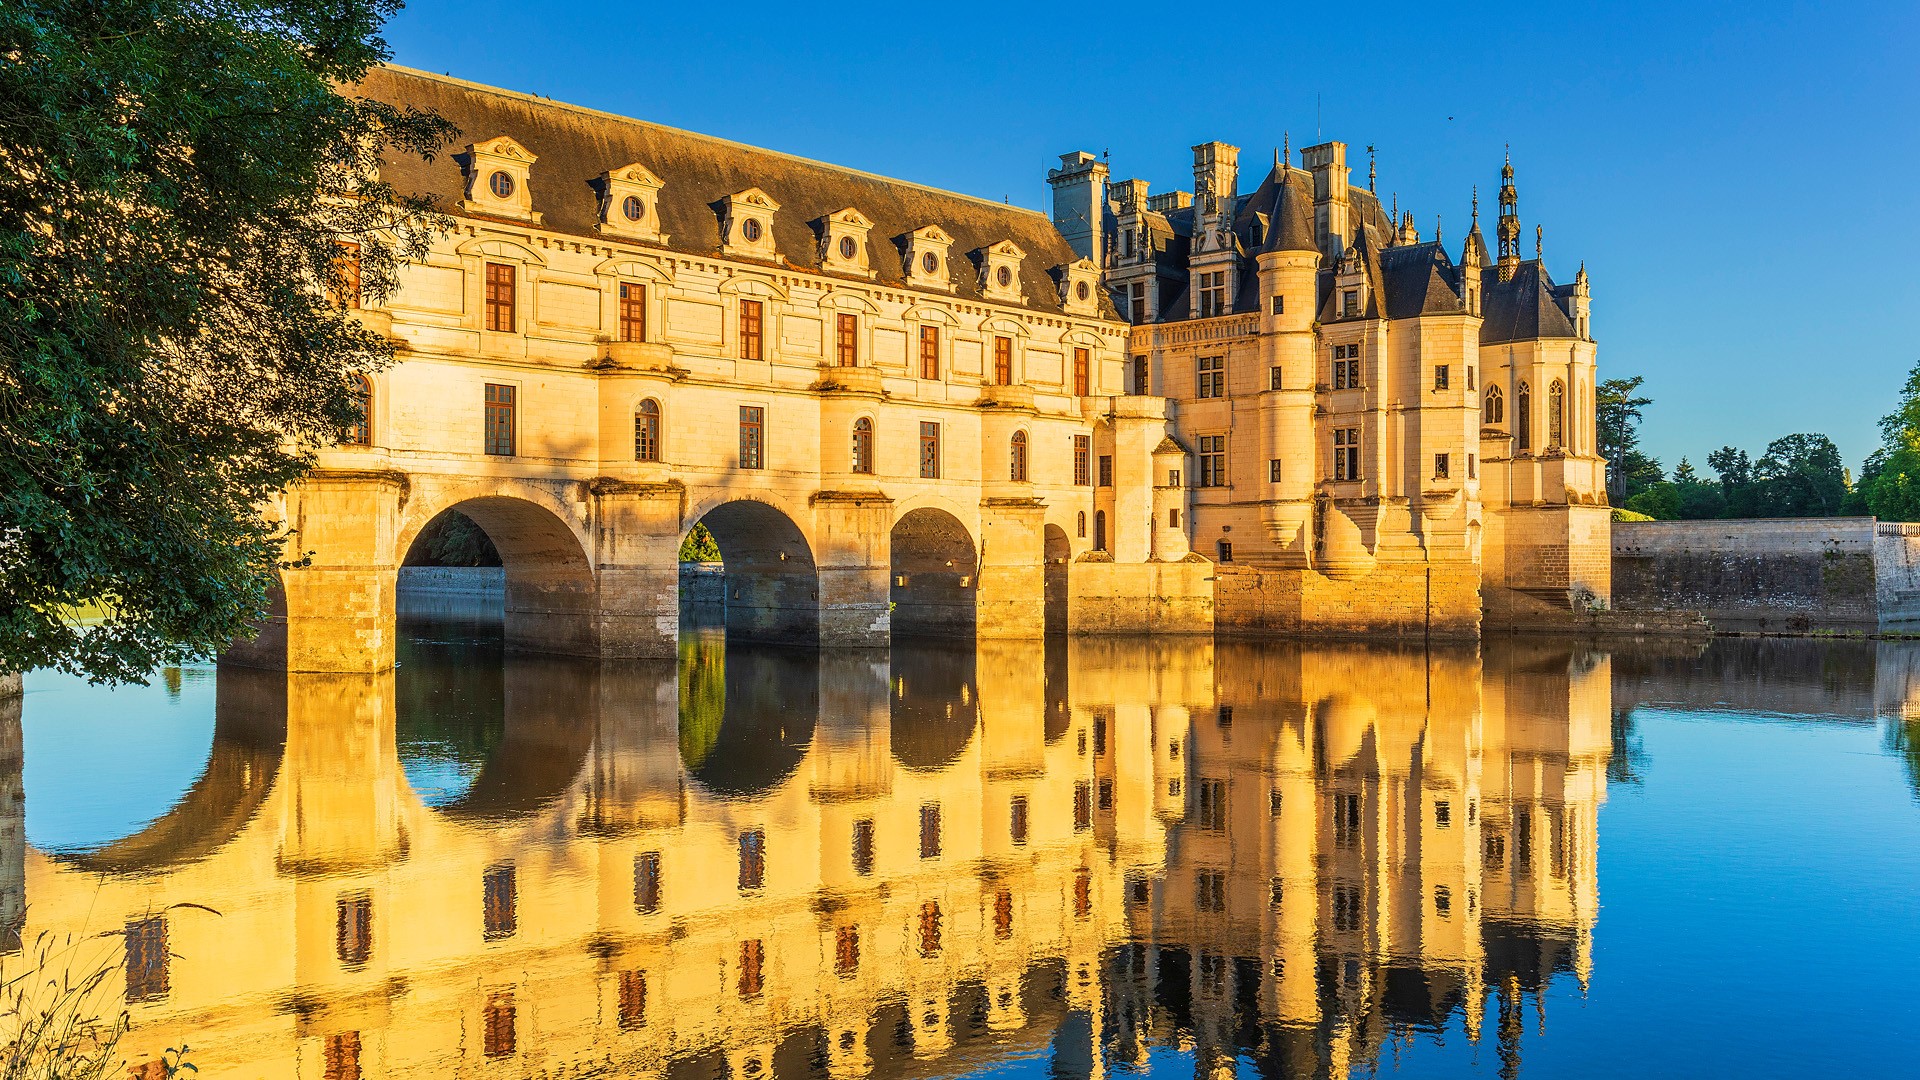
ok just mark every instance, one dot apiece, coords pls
pixel 1539 240
pixel 1276 157
pixel 1370 170
pixel 1476 204
pixel 1286 142
pixel 1436 228
pixel 1396 207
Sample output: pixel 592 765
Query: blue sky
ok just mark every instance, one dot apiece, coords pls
pixel 1740 179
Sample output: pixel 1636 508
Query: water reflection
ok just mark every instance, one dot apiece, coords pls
pixel 756 861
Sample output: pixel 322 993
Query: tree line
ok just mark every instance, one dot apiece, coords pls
pixel 1797 475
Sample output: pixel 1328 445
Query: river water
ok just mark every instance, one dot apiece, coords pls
pixel 1178 858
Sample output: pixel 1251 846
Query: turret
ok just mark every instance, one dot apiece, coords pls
pixel 1080 204
pixel 1288 267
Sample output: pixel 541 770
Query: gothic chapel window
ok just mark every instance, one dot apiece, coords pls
pixel 1523 417
pixel 1556 414
pixel 1494 409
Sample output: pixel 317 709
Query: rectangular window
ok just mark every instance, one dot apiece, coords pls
pixel 1082 452
pixel 753 859
pixel 1082 372
pixel 753 955
pixel 846 339
pixel 1346 367
pixel 1273 378
pixel 863 847
pixel 929 450
pixel 353 930
pixel 633 311
pixel 1273 470
pixel 500 278
pixel 1003 914
pixel 1349 303
pixel 1442 466
pixel 1210 376
pixel 646 883
pixel 1210 890
pixel 1105 793
pixel 846 951
pixel 1442 814
pixel 497 1023
pixel 340 1058
pixel 1213 461
pixel 1173 478
pixel 1082 806
pixel 1470 385
pixel 930 928
pixel 1213 294
pixel 1017 819
pixel 1106 470
pixel 1137 301
pixel 1173 519
pixel 1210 805
pixel 147 959
pixel 1443 901
pixel 500 902
pixel 1140 373
pixel 929 352
pixel 1346 820
pixel 1346 453
pixel 1442 374
pixel 346 274
pixel 1473 467
pixel 753 434
pixel 500 420
pixel 1278 305
pixel 1224 549
pixel 633 1000
pixel 1003 361
pixel 1082 893
pixel 930 830
pixel 1274 802
pixel 1346 908
pixel 750 330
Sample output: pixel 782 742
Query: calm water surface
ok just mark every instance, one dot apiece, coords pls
pixel 1088 858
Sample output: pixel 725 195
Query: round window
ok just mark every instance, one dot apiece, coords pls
pixel 1004 277
pixel 930 262
pixel 500 184
pixel 848 247
pixel 633 208
pixel 751 230
pixel 1080 290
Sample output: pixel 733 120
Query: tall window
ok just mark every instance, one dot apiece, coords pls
pixel 1140 373
pixel 1213 461
pixel 1099 530
pixel 497 1023
pixel 1273 470
pixel 633 1000
pixel 1210 376
pixel 1442 466
pixel 353 930
pixel 753 859
pixel 1494 409
pixel 846 951
pixel 753 955
pixel 499 891
pixel 1003 914
pixel 753 434
pixel 646 883
pixel 1346 453
pixel 863 846
pixel 500 419
pixel 929 352
pixel 1442 375
pixel 1213 294
pixel 1137 302
pixel 1556 414
pixel 1210 805
pixel 1346 367
pixel 360 432
pixel 929 450
pixel 339 1058
pixel 633 311
pixel 1210 890
pixel 1082 806
pixel 1082 372
pixel 1080 525
pixel 750 330
pixel 930 830
pixel 1106 470
pixel 1019 448
pixel 1349 303
pixel 1223 552
pixel 846 339
pixel 930 928
pixel 1523 417
pixel 646 431
pixel 500 298
pixel 147 958
pixel 346 274
pixel 1082 462
pixel 863 446
pixel 1017 820
pixel 1003 361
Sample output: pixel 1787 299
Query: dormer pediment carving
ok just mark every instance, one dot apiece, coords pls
pixel 746 224
pixel 844 242
pixel 497 174
pixel 1079 283
pixel 926 251
pixel 1000 271
pixel 630 203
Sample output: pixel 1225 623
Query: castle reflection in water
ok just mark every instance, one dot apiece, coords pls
pixel 860 864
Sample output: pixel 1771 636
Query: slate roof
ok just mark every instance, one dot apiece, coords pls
pixel 1524 309
pixel 1420 280
pixel 574 146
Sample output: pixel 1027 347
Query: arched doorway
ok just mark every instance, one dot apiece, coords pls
pixel 933 566
pixel 548 600
pixel 1058 553
pixel 771 589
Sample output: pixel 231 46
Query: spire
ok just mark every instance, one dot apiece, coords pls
pixel 1509 228
pixel 1436 228
pixel 1476 206
pixel 1286 148
pixel 1539 242
pixel 1370 172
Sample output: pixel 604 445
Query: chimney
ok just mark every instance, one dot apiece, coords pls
pixel 1080 204
pixel 1216 178
pixel 1332 217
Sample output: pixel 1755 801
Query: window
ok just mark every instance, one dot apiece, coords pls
pixel 496 1027
pixel 1213 294
pixel 1138 891
pixel 646 431
pixel 930 830
pixel 1173 519
pixel 1106 470
pixel 1210 890
pixel 646 883
pixel 500 184
pixel 1473 467
pixel 753 955
pixel 1137 302
pixel 1224 716
pixel 1273 470
pixel 930 928
pixel 1346 908
pixel 1017 820
pixel 753 859
pixel 1274 802
pixel 1081 531
pixel 1346 453
pixel 1346 367
pixel 360 432
pixel 1082 893
pixel 1556 414
pixel 1173 478
pixel 1003 914
pixel 753 432
pixel 353 930
pixel 1441 376
pixel 340 1058
pixel 1493 409
pixel 1099 530
pixel 1140 376
pixel 147 959
pixel 633 311
pixel 1213 461
pixel 1105 793
pixel 1346 819
pixel 1470 385
pixel 1019 454
pixel 1349 303
pixel 1442 466
pixel 1443 901
pixel 1210 805
pixel 1082 470
pixel 750 330
pixel 499 430
pixel 846 339
pixel 1003 361
pixel 1082 806
pixel 863 847
pixel 1210 376
pixel 1276 891
pixel 863 446
pixel 1523 417
pixel 499 892
pixel 1442 814
pixel 1273 378
pixel 929 450
pixel 1224 549
pixel 750 229
pixel 929 352
pixel 500 298
pixel 633 1000
pixel 848 248
pixel 346 274
pixel 846 951
pixel 1082 372
pixel 633 208
pixel 1277 305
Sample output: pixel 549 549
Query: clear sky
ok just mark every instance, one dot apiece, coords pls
pixel 1741 179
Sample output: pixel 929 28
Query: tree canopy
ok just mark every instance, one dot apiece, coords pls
pixel 1890 480
pixel 179 178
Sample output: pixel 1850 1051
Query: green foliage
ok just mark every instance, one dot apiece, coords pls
pixel 699 546
pixel 1800 476
pixel 703 695
pixel 60 1018
pixel 1890 480
pixel 1659 501
pixel 178 177
pixel 1621 513
pixel 1616 425
pixel 452 539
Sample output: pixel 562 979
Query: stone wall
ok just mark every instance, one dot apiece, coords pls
pixel 1141 598
pixel 1896 567
pixel 1785 576
pixel 1392 600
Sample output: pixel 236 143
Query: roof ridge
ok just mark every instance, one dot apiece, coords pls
pixel 702 136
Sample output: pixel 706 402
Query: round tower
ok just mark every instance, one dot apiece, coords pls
pixel 1288 270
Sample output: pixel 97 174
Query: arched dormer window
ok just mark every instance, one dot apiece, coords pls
pixel 360 431
pixel 646 431
pixel 1019 448
pixel 1523 417
pixel 863 446
pixel 1556 414
pixel 1494 409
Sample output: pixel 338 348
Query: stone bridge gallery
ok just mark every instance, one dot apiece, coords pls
pixel 903 409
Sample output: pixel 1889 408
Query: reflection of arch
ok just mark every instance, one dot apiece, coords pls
pixel 551 598
pixel 1058 556
pixel 934 710
pixel 933 567
pixel 772 592
pixel 746 730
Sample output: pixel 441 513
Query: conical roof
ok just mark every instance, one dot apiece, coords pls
pixel 1292 216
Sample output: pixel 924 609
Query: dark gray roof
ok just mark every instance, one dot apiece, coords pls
pixel 1283 204
pixel 1523 309
pixel 1419 279
pixel 574 146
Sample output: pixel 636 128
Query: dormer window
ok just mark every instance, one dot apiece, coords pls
pixel 925 258
pixel 1000 271
pixel 1077 282
pixel 746 224
pixel 843 242
pixel 496 172
pixel 630 203
pixel 1349 303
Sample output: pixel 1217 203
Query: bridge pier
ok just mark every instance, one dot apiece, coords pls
pixel 1011 594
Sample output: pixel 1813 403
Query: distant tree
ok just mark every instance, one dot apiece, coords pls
pixel 1660 500
pixel 1800 476
pixel 1616 423
pixel 1889 485
pixel 1736 482
pixel 699 546
pixel 453 539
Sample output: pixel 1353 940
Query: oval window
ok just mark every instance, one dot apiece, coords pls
pixel 1004 277
pixel 1081 290
pixel 848 247
pixel 751 230
pixel 633 208
pixel 500 184
pixel 930 262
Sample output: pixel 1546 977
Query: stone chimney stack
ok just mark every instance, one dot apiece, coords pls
pixel 1332 214
pixel 1080 204
pixel 1216 178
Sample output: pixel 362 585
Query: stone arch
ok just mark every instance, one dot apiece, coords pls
pixel 746 715
pixel 772 585
pixel 933 564
pixel 501 249
pixel 934 709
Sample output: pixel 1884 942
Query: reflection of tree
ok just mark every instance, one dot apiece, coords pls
pixel 703 696
pixel 1629 761
pixel 1903 738
pixel 449 701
